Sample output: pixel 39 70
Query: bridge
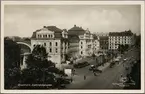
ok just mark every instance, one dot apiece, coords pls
pixel 26 44
pixel 24 55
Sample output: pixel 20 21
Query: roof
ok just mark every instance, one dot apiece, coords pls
pixel 76 31
pixel 124 33
pixel 53 28
pixel 56 30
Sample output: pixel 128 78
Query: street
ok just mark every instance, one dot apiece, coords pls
pixel 108 79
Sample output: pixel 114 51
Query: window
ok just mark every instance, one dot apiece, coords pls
pixel 34 45
pixel 44 44
pixel 50 44
pixel 49 36
pixel 81 47
pixel 50 50
pixel 55 43
pixel 81 52
pixel 56 50
pixel 81 42
pixel 40 36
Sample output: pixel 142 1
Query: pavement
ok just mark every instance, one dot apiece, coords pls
pixel 78 78
pixel 108 79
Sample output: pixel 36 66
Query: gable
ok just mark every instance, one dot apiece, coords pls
pixel 44 31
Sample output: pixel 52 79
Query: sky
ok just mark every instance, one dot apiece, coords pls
pixel 23 20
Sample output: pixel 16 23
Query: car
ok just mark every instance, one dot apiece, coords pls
pixel 97 70
pixel 94 69
pixel 125 59
pixel 112 64
pixel 81 65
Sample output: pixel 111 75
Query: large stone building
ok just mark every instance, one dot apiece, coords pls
pixel 81 42
pixel 96 45
pixel 103 43
pixel 54 40
pixel 120 38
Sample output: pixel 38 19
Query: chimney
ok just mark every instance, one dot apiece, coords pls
pixel 74 25
pixel 44 26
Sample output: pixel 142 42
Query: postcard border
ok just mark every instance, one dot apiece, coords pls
pixel 72 3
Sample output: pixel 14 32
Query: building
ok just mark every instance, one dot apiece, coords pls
pixel 103 43
pixel 120 38
pixel 96 45
pixel 80 42
pixel 54 40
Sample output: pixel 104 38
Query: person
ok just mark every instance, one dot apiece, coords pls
pixel 84 77
pixel 121 75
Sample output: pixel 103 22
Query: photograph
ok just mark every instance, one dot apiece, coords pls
pixel 72 46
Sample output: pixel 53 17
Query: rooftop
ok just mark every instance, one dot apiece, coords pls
pixel 124 33
pixel 51 28
pixel 76 30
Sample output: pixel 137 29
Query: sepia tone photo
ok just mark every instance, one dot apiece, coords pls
pixel 72 47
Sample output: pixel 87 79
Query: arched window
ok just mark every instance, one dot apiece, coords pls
pixel 44 44
pixel 50 50
pixel 81 52
pixel 56 44
pixel 50 44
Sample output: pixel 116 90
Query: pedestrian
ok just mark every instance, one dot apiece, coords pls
pixel 84 77
pixel 121 75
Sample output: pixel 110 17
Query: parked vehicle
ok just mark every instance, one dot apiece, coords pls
pixel 95 69
pixel 81 65
pixel 125 59
pixel 112 64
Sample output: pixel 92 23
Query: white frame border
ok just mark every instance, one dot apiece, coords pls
pixel 72 3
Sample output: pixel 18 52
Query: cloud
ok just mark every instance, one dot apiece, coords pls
pixel 23 20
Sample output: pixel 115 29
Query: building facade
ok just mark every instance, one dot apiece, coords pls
pixel 120 38
pixel 86 46
pixel 103 43
pixel 96 45
pixel 80 42
pixel 54 40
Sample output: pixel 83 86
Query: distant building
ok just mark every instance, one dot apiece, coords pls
pixel 86 44
pixel 54 40
pixel 120 38
pixel 96 44
pixel 14 38
pixel 103 43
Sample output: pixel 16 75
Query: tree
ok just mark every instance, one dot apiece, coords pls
pixel 11 63
pixel 39 70
pixel 122 48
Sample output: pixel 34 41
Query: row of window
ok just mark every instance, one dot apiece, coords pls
pixel 120 37
pixel 119 43
pixel 45 36
pixel 115 47
pixel 50 44
pixel 120 40
pixel 50 50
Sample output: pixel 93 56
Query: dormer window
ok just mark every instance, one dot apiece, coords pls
pixel 51 36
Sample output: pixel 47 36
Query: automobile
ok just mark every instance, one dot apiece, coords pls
pixel 125 59
pixel 81 65
pixel 123 79
pixel 112 64
pixel 95 69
